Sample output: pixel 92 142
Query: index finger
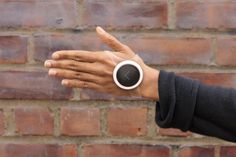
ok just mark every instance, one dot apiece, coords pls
pixel 78 55
pixel 110 40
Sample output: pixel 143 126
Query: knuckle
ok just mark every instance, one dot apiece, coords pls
pixel 101 81
pixel 108 72
pixel 77 75
pixel 73 65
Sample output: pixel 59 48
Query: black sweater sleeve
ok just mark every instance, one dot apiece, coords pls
pixel 187 104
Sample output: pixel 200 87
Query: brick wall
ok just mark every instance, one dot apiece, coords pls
pixel 40 118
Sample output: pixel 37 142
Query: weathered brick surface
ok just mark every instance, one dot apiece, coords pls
pixel 226 48
pixel 127 121
pixel 228 151
pixel 171 50
pixel 13 49
pixel 217 79
pixel 125 14
pixel 31 85
pixel 114 150
pixel 196 151
pixel 217 14
pixel 80 121
pixel 38 150
pixel 37 13
pixel 34 121
pixel 45 45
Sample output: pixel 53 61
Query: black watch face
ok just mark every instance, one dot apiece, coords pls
pixel 128 75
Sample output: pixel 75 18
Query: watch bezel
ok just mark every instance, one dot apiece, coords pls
pixel 127 62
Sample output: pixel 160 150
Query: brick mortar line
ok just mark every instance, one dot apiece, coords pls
pixel 171 14
pixel 175 151
pixel 79 150
pixel 151 126
pixel 9 121
pixel 214 49
pixel 23 67
pixel 56 125
pixel 29 32
pixel 123 140
pixel 76 94
pixel 30 51
pixel 103 121
pixel 189 68
pixel 80 13
pixel 57 105
pixel 217 151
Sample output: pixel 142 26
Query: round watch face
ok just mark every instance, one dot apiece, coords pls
pixel 128 75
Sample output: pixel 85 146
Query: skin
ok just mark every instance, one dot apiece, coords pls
pixel 94 69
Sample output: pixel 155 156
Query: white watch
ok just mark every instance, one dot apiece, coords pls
pixel 128 75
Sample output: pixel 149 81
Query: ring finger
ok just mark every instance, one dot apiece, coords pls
pixel 70 74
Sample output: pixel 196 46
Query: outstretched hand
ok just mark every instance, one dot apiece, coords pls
pixel 94 69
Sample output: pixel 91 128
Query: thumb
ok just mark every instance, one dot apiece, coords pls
pixel 111 41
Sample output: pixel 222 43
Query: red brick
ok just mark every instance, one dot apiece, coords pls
pixel 34 13
pixel 173 132
pixel 34 121
pixel 87 94
pixel 196 151
pixel 77 121
pixel 171 50
pixel 127 121
pixel 228 151
pixel 226 55
pixel 217 79
pixel 45 45
pixel 125 150
pixel 217 14
pixel 38 150
pixel 125 14
pixel 2 128
pixel 31 85
pixel 13 49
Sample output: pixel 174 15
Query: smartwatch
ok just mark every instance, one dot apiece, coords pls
pixel 127 75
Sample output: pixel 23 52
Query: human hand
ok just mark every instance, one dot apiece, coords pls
pixel 94 70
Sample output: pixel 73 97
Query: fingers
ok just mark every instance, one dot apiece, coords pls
pixel 111 41
pixel 80 84
pixel 72 65
pixel 82 76
pixel 64 73
pixel 85 56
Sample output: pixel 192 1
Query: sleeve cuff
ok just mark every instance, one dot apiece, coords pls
pixel 176 106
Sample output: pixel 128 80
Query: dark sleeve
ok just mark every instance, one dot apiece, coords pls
pixel 187 104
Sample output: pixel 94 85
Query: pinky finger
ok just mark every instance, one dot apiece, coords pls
pixel 80 84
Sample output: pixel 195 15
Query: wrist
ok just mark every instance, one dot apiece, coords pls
pixel 149 88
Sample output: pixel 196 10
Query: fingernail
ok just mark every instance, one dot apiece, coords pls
pixel 64 82
pixel 48 64
pixel 99 29
pixel 55 56
pixel 52 72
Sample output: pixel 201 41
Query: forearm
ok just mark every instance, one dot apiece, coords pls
pixel 187 104
pixel 215 112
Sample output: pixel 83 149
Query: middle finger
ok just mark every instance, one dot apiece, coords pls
pixel 71 65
